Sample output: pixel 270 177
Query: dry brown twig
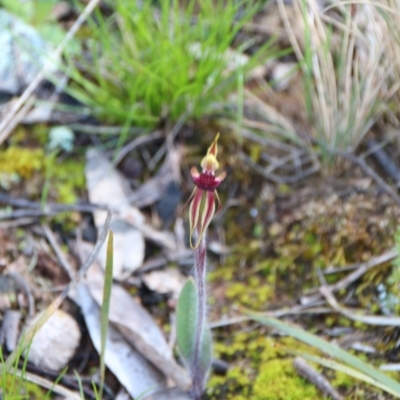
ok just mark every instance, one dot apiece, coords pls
pixel 352 277
pixel 35 209
pixel 306 371
pixel 59 253
pixel 47 384
pixel 23 284
pixel 370 172
pixel 355 315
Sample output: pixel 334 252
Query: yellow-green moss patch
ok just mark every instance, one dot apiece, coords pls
pixel 21 161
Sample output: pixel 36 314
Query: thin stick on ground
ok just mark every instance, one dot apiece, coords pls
pixel 355 315
pixel 352 277
pixel 305 370
pixel 59 253
pixel 366 319
pixel 369 171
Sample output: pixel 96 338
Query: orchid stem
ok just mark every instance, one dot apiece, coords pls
pixel 200 278
pixel 196 340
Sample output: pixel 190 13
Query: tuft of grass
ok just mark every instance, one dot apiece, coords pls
pixel 346 56
pixel 147 62
pixel 18 384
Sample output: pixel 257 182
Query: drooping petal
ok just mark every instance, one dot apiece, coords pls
pixel 194 212
pixel 207 213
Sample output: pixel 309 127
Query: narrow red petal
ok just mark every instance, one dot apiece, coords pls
pixel 194 212
pixel 206 214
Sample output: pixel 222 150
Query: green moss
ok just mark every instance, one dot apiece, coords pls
pixel 330 321
pixel 277 377
pixel 342 381
pixel 65 178
pixel 17 388
pixel 343 321
pixel 62 182
pixel 361 326
pixel 225 273
pixel 250 294
pixel 278 380
pixel 264 369
pixel 234 386
pixel 37 135
pixel 21 161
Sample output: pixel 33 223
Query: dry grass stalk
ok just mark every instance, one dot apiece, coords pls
pixel 348 59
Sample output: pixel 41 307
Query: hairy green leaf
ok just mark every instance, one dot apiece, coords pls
pixel 187 320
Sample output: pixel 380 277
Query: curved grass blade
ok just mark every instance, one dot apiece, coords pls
pixel 105 308
pixel 385 382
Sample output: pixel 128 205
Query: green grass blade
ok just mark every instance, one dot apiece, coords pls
pixel 105 308
pixel 130 81
pixel 80 385
pixel 351 372
pixel 50 391
pixel 332 350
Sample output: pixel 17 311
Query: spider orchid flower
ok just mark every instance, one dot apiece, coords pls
pixel 202 200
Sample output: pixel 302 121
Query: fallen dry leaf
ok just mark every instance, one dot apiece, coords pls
pixel 138 327
pixel 131 369
pixel 106 186
pixel 154 189
pixel 165 281
pixel 10 329
pixel 169 394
